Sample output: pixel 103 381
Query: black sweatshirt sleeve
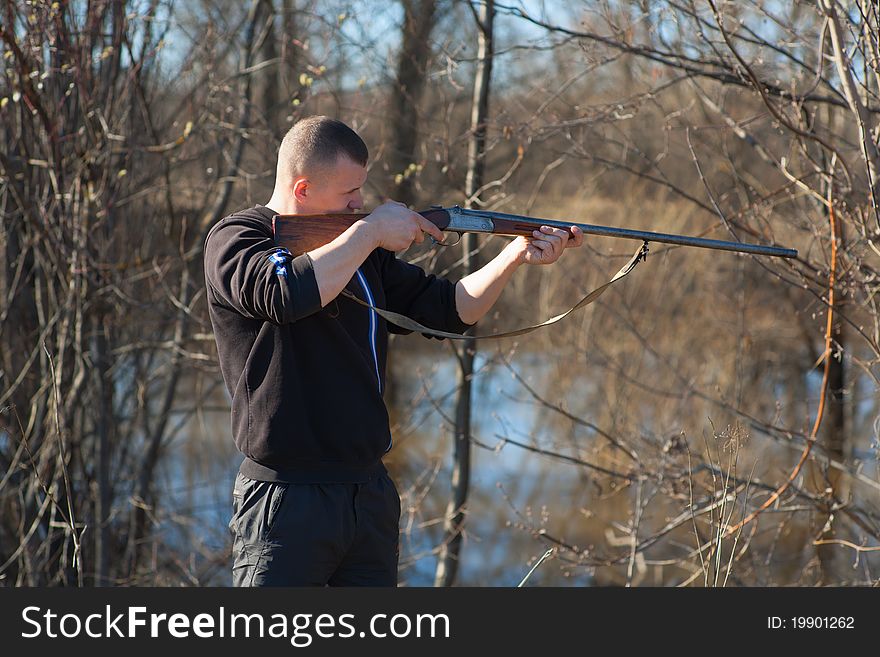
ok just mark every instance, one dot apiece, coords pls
pixel 250 274
pixel 427 299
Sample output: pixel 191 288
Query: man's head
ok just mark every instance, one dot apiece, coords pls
pixel 321 168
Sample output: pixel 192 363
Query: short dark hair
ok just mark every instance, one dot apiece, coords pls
pixel 315 143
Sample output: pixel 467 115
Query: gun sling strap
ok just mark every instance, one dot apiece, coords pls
pixel 405 322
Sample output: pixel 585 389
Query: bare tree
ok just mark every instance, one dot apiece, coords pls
pixel 456 510
pixel 419 19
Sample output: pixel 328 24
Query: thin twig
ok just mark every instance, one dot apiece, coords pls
pixel 547 554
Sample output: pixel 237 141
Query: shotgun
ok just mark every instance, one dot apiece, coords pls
pixel 299 233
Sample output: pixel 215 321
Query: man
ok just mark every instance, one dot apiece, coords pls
pixel 305 367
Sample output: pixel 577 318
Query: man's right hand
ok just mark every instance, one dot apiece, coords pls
pixel 395 227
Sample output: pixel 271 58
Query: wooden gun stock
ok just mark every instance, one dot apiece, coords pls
pixel 299 233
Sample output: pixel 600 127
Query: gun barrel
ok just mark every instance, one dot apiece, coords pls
pixel 644 235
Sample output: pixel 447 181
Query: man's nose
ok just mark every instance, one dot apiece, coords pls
pixel 356 203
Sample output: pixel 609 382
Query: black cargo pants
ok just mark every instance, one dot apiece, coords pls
pixel 315 534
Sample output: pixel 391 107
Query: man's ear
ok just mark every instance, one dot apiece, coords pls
pixel 301 188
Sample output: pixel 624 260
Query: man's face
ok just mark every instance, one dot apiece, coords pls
pixel 337 190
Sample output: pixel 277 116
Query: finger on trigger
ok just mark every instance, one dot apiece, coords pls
pixel 430 228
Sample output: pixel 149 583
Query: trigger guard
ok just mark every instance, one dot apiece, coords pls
pixel 436 243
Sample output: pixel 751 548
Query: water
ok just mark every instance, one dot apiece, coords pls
pixel 510 486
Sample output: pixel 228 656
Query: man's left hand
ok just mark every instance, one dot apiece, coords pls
pixel 546 245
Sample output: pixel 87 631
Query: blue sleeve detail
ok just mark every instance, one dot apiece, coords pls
pixel 280 258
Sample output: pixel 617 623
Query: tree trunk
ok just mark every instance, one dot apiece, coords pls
pixel 288 72
pixel 835 438
pixel 419 18
pixel 453 525
pixel 267 47
pixel 829 554
pixel 104 422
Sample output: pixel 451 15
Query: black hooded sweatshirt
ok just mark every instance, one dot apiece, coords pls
pixel 306 382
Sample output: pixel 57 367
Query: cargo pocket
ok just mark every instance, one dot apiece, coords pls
pixel 256 506
pixel 256 510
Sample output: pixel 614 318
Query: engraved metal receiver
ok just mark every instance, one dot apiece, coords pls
pixel 463 221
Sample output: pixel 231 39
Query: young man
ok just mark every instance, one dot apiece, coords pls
pixel 305 367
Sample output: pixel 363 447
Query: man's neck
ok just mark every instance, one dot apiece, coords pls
pixel 279 205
